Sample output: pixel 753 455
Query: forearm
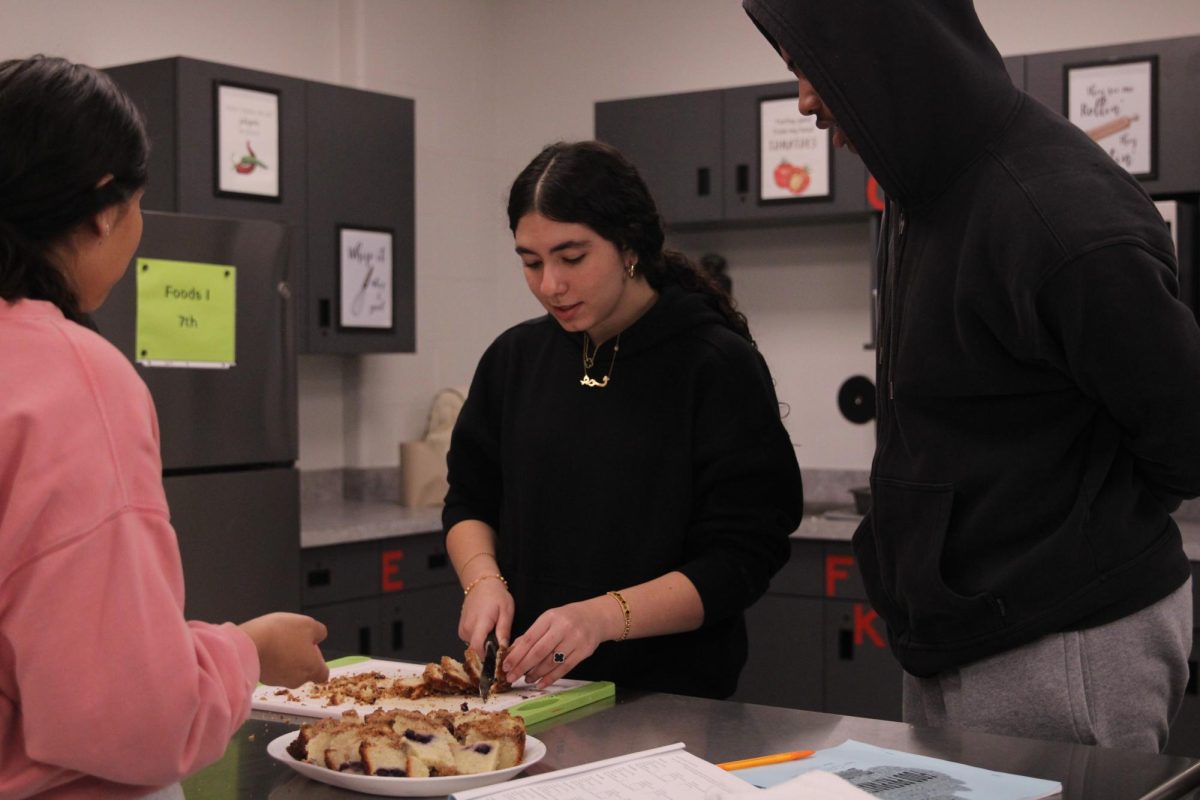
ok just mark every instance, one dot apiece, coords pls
pixel 667 604
pixel 471 545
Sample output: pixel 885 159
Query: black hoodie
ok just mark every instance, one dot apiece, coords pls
pixel 680 463
pixel 1039 382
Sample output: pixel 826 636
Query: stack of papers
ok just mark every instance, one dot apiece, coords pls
pixel 664 773
pixel 892 774
pixel 850 771
pixel 814 785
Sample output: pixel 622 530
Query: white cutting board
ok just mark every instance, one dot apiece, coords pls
pixel 296 701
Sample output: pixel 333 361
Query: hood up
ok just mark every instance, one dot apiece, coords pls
pixel 916 85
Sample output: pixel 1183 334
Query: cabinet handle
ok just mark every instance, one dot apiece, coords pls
pixel 364 641
pixel 846 645
pixel 324 313
pixel 743 179
pixel 397 635
pixel 319 577
pixel 703 184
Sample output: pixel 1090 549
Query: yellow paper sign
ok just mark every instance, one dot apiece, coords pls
pixel 186 314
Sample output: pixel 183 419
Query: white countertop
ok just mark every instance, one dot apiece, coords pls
pixel 363 521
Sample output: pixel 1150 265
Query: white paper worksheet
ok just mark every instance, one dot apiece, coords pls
pixel 665 773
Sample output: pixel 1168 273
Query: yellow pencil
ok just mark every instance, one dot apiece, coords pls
pixel 777 758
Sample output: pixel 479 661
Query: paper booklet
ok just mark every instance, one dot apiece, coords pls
pixel 892 774
pixel 850 771
pixel 663 773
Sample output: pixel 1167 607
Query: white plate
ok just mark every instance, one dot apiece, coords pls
pixel 402 787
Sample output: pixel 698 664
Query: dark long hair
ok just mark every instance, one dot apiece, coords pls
pixel 593 184
pixel 63 127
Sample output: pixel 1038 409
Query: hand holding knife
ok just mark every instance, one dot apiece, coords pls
pixel 490 663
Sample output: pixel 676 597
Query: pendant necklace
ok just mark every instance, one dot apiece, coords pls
pixel 588 361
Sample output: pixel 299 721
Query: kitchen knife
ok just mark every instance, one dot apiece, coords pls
pixel 487 672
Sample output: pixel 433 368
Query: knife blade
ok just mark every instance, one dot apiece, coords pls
pixel 487 672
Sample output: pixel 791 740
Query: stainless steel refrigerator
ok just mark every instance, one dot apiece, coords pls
pixel 229 435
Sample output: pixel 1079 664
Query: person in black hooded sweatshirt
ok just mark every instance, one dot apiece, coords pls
pixel 1038 382
pixel 621 483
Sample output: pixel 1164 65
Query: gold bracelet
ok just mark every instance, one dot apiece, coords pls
pixel 471 586
pixel 624 610
pixel 477 555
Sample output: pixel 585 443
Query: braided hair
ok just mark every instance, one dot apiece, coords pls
pixel 593 184
pixel 63 128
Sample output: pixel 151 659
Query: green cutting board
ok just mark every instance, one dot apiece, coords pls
pixel 540 709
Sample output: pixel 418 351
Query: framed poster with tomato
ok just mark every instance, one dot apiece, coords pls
pixel 794 154
pixel 247 142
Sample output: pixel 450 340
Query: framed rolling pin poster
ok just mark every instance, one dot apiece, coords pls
pixel 1114 102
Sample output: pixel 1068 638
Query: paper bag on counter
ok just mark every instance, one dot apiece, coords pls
pixel 423 463
pixel 422 474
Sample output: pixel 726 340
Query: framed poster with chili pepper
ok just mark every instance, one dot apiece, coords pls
pixel 365 284
pixel 794 154
pixel 247 142
pixel 1115 103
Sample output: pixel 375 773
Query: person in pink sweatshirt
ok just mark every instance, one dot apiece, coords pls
pixel 105 689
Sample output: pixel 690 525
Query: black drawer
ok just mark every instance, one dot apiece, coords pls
pixel 340 572
pixel 353 628
pixel 414 562
pixel 802 574
pixel 421 625
pixel 840 576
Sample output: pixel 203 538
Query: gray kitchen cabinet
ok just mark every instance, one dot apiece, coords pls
pixel 785 666
pixel 177 96
pixel 675 143
pixel 346 160
pixel 414 562
pixel 360 174
pixel 353 628
pixel 842 580
pixel 421 625
pixel 390 598
pixel 699 155
pixel 339 572
pixel 862 678
pixel 848 176
pixel 815 642
pixel 246 540
pixel 804 573
pixel 1176 114
pixel 1016 70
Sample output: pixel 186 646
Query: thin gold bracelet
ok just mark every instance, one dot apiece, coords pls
pixel 477 555
pixel 624 610
pixel 471 585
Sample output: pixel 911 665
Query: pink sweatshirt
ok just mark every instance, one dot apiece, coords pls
pixel 105 689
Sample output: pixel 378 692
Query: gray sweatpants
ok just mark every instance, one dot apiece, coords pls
pixel 1115 685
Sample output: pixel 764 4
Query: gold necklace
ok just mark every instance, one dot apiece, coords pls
pixel 588 361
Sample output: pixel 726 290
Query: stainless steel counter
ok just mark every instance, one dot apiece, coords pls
pixel 721 731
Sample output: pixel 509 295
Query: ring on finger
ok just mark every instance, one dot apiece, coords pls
pixel 559 657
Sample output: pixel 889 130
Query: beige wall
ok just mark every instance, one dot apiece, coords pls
pixel 493 80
